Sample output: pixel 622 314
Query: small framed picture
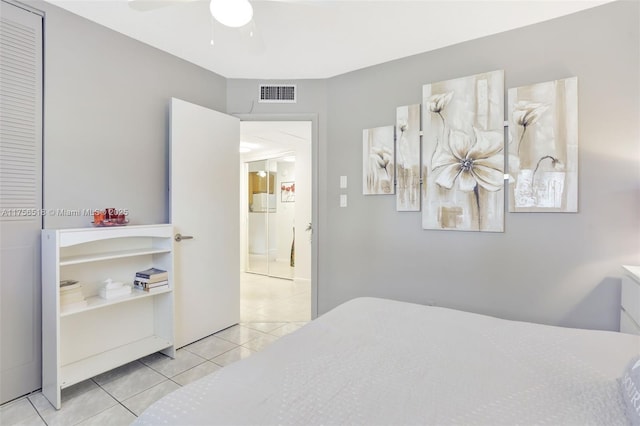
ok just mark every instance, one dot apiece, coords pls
pixel 287 192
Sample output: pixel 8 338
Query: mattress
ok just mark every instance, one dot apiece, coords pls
pixel 381 362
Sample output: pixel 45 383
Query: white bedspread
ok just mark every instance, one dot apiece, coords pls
pixel 380 362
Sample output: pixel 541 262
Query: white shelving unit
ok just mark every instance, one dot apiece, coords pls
pixel 80 343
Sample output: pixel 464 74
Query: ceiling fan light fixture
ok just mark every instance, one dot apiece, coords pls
pixel 232 13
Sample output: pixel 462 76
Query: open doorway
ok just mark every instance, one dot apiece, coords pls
pixel 276 198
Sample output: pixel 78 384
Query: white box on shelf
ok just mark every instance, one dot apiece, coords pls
pixel 107 293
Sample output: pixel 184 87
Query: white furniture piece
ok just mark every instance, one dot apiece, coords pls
pixel 106 333
pixel 630 300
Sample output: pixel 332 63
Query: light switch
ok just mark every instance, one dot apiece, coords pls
pixel 343 182
pixel 343 200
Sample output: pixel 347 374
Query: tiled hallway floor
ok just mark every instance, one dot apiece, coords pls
pixel 266 299
pixel 270 309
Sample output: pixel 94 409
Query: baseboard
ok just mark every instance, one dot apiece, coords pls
pixel 302 281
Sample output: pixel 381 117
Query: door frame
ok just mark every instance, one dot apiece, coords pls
pixel 313 118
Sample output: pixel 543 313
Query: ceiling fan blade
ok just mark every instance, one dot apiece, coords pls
pixel 145 5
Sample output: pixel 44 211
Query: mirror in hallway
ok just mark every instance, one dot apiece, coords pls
pixel 271 214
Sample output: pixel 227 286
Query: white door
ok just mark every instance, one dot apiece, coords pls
pixel 20 201
pixel 204 204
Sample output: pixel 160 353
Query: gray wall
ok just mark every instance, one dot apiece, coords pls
pixel 106 102
pixel 560 269
pixel 106 118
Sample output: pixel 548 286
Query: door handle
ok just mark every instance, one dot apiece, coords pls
pixel 180 237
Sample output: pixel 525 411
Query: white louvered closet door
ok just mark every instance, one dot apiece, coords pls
pixel 20 199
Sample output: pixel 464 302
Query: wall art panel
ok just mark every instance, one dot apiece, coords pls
pixel 463 153
pixel 543 147
pixel 378 160
pixel 408 158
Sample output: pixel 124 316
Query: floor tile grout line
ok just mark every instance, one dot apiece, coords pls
pixel 127 408
pixel 131 396
pixel 257 314
pixel 162 374
pixel 121 402
pixel 98 413
pixel 37 411
pixel 221 353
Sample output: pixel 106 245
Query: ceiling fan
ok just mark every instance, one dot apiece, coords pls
pixel 234 14
pixel 231 13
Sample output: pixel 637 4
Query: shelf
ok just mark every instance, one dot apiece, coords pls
pixel 105 361
pixel 71 237
pixel 120 254
pixel 96 302
pixel 80 342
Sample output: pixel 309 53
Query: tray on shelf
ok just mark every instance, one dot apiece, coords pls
pixel 106 223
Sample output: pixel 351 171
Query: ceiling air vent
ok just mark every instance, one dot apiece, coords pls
pixel 280 94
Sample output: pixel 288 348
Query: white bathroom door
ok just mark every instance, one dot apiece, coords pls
pixel 204 205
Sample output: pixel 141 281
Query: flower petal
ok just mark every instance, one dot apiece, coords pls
pixel 519 116
pixel 466 182
pixel 459 144
pixel 488 177
pixel 447 98
pixel 441 158
pixel 377 160
pixel 495 162
pixel 447 176
pixel 535 113
pixel 437 102
pixel 488 143
pixel 527 113
pixel 432 103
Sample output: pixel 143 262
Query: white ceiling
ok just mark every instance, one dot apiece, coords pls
pixel 270 139
pixel 300 39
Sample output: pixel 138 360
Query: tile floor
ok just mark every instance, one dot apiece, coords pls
pixel 270 309
pixel 276 268
pixel 266 299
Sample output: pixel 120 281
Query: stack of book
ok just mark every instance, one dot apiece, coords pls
pixel 71 296
pixel 152 280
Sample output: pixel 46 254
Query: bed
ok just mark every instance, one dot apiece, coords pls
pixel 374 361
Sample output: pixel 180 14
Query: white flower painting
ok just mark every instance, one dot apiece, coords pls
pixel 408 158
pixel 463 154
pixel 378 160
pixel 543 147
